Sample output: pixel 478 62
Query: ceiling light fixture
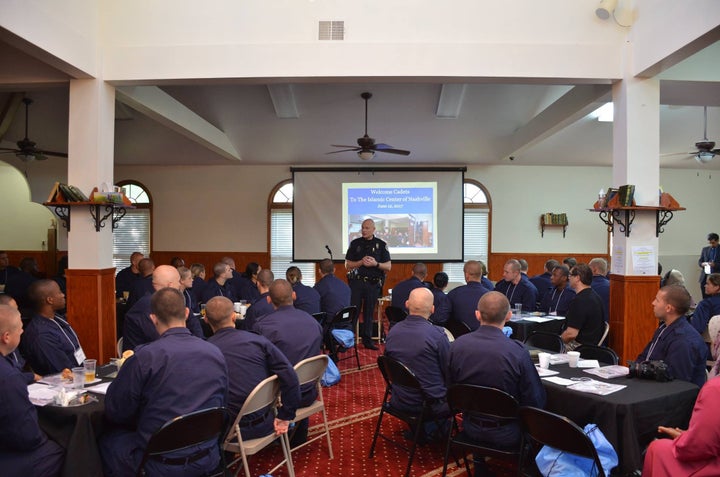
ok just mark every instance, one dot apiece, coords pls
pixel 623 14
pixel 605 9
pixel 366 155
pixel 703 157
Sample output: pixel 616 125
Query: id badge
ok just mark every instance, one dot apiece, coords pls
pixel 707 268
pixel 79 356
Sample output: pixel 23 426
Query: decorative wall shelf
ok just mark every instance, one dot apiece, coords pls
pixel 100 212
pixel 544 223
pixel 624 217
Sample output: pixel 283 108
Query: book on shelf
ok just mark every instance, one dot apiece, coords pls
pixel 61 193
pixel 555 219
pixel 626 194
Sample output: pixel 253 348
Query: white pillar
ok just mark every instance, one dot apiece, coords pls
pixel 91 139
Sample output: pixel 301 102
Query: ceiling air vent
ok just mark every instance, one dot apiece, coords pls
pixel 331 30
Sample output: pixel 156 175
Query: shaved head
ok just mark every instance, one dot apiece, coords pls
pixel 493 309
pixel 420 302
pixel 219 312
pixel 166 276
pixel 281 293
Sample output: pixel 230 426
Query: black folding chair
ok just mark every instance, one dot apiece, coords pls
pixel 457 328
pixel 395 372
pixel 546 341
pixel 343 319
pixel 601 353
pixel 187 431
pixel 394 315
pixel 546 428
pixel 487 403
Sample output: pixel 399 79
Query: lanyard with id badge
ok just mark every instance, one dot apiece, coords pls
pixel 78 352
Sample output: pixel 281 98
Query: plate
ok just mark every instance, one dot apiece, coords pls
pixel 81 401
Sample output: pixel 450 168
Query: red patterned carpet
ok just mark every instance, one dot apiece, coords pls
pixel 353 408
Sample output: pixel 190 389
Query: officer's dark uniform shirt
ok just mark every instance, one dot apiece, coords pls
pixel 423 348
pixel 24 448
pixel 250 359
pixel 463 303
pixel 49 345
pixel 334 295
pixel 486 357
pixel 375 248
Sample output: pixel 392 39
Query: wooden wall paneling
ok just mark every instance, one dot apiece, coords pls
pixel 91 311
pixel 632 322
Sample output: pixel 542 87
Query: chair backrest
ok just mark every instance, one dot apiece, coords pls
pixel 311 369
pixel 395 372
pixel 264 395
pixel 545 340
pixel 601 353
pixel 605 333
pixel 457 328
pixel 346 315
pixel 186 431
pixel 559 432
pixel 395 314
pixel 320 317
pixel 483 401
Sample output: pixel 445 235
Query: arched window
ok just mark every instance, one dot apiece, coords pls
pixel 133 232
pixel 476 230
pixel 281 227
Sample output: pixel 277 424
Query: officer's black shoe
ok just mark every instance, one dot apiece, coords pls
pixel 370 345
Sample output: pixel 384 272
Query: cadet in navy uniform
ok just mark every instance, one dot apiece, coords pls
pixel 49 342
pixel 250 359
pixel 515 288
pixel 174 375
pixel 220 285
pixel 262 306
pixel 441 301
pixel 24 448
pixel 367 260
pixel 334 293
pixel 143 285
pixel 558 298
pixel 464 299
pixel 138 326
pixel 486 357
pixel 126 277
pixel 401 291
pixel 423 348
pixel 542 282
pixel 297 335
pixel 600 283
pixel 306 298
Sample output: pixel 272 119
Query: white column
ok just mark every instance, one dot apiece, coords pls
pixel 636 149
pixel 91 137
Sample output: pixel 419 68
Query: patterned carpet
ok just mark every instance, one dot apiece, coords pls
pixel 353 408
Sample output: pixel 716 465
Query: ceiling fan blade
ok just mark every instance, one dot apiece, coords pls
pixel 677 154
pixel 51 153
pixel 394 151
pixel 343 145
pixel 7 149
pixel 344 150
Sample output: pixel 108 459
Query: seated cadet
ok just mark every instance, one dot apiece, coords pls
pixel 542 282
pixel 15 357
pixel 262 306
pixel 198 283
pixel 6 270
pixel 138 327
pixel 708 307
pixel 24 447
pixel 49 343
pixel 125 279
pixel 600 283
pixel 334 293
pixel 307 298
pixel 485 357
pixel 584 322
pixel 19 283
pixel 675 341
pixel 515 288
pixel 186 282
pixel 247 282
pixel 423 348
pixel 557 299
pixel 401 291
pixel 441 302
pixel 250 359
pixel 174 375
pixel 485 280
pixel 463 299
pixel 220 284
pixel 298 335
pixel 143 285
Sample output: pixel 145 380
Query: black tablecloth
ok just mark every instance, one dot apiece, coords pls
pixel 524 328
pixel 76 429
pixel 629 418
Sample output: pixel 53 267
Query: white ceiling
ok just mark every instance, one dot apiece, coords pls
pixel 495 121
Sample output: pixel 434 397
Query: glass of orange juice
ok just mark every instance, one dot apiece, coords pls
pixel 90 365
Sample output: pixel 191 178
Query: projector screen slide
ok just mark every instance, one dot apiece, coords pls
pixel 418 212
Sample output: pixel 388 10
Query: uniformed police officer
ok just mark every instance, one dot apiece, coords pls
pixel 367 260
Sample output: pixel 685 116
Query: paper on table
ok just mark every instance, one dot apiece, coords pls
pixel 588 363
pixel 545 372
pixel 596 387
pixel 41 394
pixel 537 319
pixel 99 389
pixel 560 381
pixel 609 372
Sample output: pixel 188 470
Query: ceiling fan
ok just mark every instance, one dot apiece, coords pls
pixel 366 147
pixel 26 150
pixel 705 149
